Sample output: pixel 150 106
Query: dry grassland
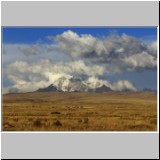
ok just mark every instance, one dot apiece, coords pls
pixel 112 111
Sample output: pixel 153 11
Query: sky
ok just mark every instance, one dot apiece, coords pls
pixel 121 58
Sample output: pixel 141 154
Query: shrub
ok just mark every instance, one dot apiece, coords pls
pixel 30 119
pixel 57 123
pixel 55 113
pixel 37 123
pixel 16 119
pixel 86 120
pixel 79 120
pixel 153 121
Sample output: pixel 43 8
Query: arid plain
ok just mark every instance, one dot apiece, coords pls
pixel 57 111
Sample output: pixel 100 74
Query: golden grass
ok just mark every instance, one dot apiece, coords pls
pixel 112 111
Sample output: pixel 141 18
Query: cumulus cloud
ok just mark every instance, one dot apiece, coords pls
pixel 123 85
pixel 152 48
pixel 75 45
pixel 95 82
pixel 141 60
pixel 107 49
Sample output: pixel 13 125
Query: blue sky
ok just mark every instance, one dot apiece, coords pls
pixel 21 45
pixel 32 35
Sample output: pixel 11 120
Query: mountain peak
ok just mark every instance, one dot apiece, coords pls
pixel 47 89
pixel 103 88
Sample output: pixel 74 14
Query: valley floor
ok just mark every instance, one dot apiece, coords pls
pixel 53 111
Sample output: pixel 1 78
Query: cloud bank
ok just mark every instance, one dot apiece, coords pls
pixel 29 77
pixel 108 49
pixel 29 67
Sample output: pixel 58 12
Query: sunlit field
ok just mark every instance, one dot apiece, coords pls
pixel 57 111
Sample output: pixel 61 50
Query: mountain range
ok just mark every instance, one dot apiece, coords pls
pixel 72 84
pixel 64 84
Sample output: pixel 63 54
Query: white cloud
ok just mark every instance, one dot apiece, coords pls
pixel 152 48
pixel 95 82
pixel 107 50
pixel 123 85
pixel 141 60
pixel 75 45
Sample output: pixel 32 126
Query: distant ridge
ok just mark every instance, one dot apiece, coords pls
pixel 149 90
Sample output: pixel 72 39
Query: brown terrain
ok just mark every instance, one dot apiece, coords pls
pixel 57 111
